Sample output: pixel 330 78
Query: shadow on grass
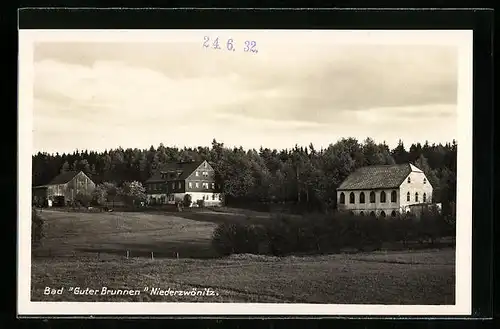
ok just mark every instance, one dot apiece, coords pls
pixel 193 250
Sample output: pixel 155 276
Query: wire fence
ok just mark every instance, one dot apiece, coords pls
pixel 102 255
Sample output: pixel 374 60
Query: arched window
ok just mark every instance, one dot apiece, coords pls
pixel 362 197
pixel 382 197
pixel 425 180
pixel 408 196
pixel 416 196
pixel 393 213
pixel 351 197
pixel 394 196
pixel 361 213
pixel 409 180
pixel 372 197
pixel 382 214
pixel 424 197
pixel 342 198
pixel 372 214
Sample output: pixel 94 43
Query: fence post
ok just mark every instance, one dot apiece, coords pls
pixel 152 257
pixel 127 254
pixel 177 254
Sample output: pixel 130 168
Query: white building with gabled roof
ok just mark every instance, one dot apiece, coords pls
pixel 384 190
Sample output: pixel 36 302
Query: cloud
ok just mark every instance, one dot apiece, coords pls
pixel 142 93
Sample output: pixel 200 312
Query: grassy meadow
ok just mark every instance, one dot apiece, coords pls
pixel 88 250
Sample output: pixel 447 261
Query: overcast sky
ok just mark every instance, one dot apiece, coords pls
pixel 104 95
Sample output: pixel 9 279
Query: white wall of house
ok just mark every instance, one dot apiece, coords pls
pixel 367 207
pixel 415 183
pixel 211 199
pixel 156 196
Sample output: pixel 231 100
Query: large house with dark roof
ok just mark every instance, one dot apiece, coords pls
pixel 172 181
pixel 63 188
pixel 386 190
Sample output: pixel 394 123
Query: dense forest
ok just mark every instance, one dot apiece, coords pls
pixel 302 175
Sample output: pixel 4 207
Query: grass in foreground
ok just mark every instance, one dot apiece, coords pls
pixel 361 279
pixel 74 239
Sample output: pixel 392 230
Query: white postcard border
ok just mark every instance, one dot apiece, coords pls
pixel 461 38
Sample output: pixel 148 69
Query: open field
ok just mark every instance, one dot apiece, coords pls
pixel 88 250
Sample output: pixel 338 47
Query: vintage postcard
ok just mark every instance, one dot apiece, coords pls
pixel 245 172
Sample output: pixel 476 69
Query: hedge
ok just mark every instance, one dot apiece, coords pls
pixel 318 233
pixel 37 228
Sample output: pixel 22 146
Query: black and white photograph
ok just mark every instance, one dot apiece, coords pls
pixel 245 172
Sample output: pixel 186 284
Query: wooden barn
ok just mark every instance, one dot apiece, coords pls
pixel 63 188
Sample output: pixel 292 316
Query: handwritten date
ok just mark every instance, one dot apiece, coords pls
pixel 229 45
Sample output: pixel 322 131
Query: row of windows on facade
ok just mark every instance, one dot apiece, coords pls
pixel 409 180
pixel 204 173
pixel 173 175
pixel 394 197
pixel 205 197
pixel 382 214
pixel 171 197
pixel 179 185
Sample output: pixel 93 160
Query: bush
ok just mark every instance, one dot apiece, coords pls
pixel 223 239
pixel 83 199
pixel 282 239
pixel 37 228
pixel 200 203
pixel 318 234
pixel 232 238
pixel 187 200
pixel 429 227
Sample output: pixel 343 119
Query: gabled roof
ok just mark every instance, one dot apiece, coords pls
pixel 378 177
pixel 182 169
pixel 63 178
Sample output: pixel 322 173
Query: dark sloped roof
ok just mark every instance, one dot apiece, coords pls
pixel 184 169
pixel 63 178
pixel 376 177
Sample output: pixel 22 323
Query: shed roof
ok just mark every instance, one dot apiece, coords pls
pixel 64 177
pixel 378 177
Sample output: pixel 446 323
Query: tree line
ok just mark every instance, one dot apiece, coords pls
pixel 302 176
